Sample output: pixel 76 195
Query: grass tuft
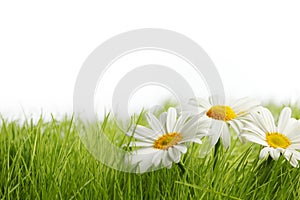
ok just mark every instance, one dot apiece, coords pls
pixel 47 160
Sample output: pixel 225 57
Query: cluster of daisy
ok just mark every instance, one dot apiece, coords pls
pixel 167 136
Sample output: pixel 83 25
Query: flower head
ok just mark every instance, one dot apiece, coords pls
pixel 165 141
pixel 282 139
pixel 222 116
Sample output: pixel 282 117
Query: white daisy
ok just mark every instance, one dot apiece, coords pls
pixel 283 139
pixel 222 116
pixel 164 143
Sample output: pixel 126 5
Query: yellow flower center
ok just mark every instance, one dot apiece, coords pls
pixel 276 140
pixel 167 140
pixel 219 112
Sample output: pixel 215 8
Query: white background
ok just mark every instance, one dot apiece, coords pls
pixel 255 45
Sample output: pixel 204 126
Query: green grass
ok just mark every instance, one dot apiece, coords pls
pixel 46 160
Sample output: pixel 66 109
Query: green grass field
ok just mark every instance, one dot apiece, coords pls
pixel 46 160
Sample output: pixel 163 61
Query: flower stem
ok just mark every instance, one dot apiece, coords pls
pixel 217 147
pixel 181 166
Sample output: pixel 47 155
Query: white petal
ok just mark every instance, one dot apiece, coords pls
pixel 274 153
pixel 245 105
pixel 139 162
pixel 174 154
pixel 194 139
pixel 216 130
pixel 284 117
pixel 225 135
pixel 199 102
pixel 181 147
pixel 169 166
pixel 234 126
pixel 189 129
pixel 264 120
pixel 144 134
pixel 296 154
pixel 181 121
pixel 292 130
pixel 166 160
pixel 203 126
pixel 142 138
pixel 252 127
pixel 157 158
pixel 237 126
pixel 264 152
pixel 289 156
pixel 254 138
pixel 269 121
pixel 163 119
pixel 146 150
pixel 217 100
pixel 141 144
pixel 155 124
pixel 295 146
pixel 257 121
pixel 294 162
pixel 171 119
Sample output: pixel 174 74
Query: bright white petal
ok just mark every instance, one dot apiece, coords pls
pixel 166 160
pixel 269 120
pixel 235 126
pixel 203 127
pixel 181 121
pixel 289 156
pixel 295 140
pixel 157 158
pixel 146 150
pixel 295 146
pixel 254 138
pixel 274 153
pixel 216 130
pixel 181 147
pixel 296 154
pixel 292 130
pixel 169 166
pixel 264 152
pixel 143 133
pixel 284 117
pixel 155 124
pixel 189 129
pixel 225 135
pixel 245 105
pixel 139 163
pixel 294 162
pixel 171 119
pixel 264 120
pixel 174 154
pixel 253 128
pixel 163 119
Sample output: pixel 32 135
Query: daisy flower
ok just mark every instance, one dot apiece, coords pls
pixel 282 139
pixel 222 116
pixel 165 141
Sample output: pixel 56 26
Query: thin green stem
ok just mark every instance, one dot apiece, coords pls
pixel 216 155
pixel 181 166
